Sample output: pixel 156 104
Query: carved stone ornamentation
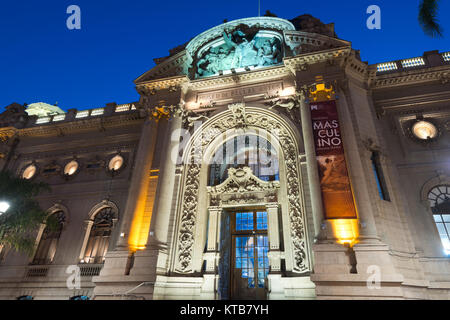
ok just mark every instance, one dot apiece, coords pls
pixel 242 187
pixel 237 116
pixel 242 180
pixel 445 78
pixel 159 113
pixel 289 103
pixel 188 217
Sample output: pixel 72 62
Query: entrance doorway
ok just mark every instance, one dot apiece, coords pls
pixel 249 260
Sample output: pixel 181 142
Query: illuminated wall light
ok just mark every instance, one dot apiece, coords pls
pixel 4 206
pixel 116 163
pixel 71 168
pixel 346 231
pixel 387 66
pixel 413 62
pixel 29 172
pixel 424 130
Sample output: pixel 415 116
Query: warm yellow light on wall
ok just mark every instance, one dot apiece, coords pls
pixel 140 225
pixel 346 230
pixel 136 241
pixel 321 92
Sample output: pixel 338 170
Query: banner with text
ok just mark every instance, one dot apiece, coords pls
pixel 337 195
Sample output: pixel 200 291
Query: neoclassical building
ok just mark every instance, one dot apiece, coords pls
pixel 263 160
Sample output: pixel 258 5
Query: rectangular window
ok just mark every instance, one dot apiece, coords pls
pixel 82 114
pixel 379 177
pixel 413 62
pixel 387 66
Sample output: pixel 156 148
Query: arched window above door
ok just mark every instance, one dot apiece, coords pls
pixel 246 150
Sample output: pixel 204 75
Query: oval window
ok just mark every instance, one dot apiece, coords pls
pixel 29 172
pixel 424 130
pixel 71 168
pixel 116 163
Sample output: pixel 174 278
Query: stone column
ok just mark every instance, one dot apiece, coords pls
pixel 311 165
pixel 89 224
pixel 164 194
pixel 367 230
pixel 140 178
pixel 273 231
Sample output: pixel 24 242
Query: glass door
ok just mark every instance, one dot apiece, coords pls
pixel 250 264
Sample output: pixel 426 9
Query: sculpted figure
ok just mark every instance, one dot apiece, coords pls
pixel 269 53
pixel 288 103
pixel 240 50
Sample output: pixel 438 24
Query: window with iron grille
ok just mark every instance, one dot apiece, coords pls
pixel 247 150
pixel 48 243
pixel 99 236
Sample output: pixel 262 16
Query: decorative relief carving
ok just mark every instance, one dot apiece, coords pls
pixel 239 116
pixel 238 112
pixel 188 216
pixel 242 180
pixel 290 104
pixel 6 134
pixel 242 187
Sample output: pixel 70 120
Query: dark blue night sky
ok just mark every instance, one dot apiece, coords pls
pixel 41 60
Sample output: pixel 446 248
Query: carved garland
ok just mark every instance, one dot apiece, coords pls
pixel 190 198
pixel 188 217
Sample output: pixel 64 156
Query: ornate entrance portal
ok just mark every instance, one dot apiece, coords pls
pixel 248 228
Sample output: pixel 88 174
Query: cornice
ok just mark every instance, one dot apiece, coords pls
pixel 298 62
pixel 164 83
pixel 416 101
pixel 241 78
pixel 296 38
pixel 290 65
pixel 78 126
pixel 79 151
pixel 417 76
pixel 160 70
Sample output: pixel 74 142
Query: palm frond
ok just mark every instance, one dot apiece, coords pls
pixel 428 10
pixel 24 215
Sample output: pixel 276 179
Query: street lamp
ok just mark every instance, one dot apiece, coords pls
pixel 4 206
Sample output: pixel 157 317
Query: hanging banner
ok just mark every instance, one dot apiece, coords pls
pixel 337 195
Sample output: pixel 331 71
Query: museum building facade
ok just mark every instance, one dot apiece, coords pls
pixel 263 160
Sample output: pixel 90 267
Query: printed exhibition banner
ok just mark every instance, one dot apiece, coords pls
pixel 335 184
